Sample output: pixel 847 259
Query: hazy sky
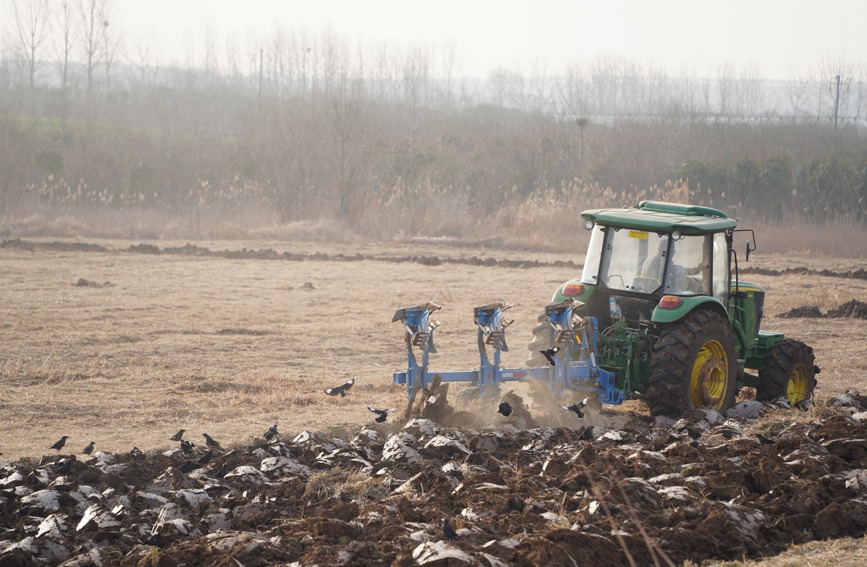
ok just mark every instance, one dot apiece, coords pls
pixel 773 38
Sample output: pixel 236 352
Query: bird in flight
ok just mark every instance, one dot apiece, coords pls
pixel 576 407
pixel 449 531
pixel 89 449
pixel 271 433
pixel 342 389
pixel 60 443
pixel 381 414
pixel 550 353
pixel 178 436
pixel 505 409
pixel 211 443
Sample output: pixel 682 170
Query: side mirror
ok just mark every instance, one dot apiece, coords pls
pixel 750 248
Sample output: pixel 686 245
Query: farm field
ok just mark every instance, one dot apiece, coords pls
pixel 124 343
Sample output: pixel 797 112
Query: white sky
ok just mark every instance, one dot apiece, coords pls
pixel 775 39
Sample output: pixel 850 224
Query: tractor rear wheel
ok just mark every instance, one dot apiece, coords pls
pixel 789 371
pixel 694 364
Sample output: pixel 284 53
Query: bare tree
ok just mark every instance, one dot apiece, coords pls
pixel 64 32
pixel 32 29
pixel 94 16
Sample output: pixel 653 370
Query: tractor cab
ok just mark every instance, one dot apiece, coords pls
pixel 638 256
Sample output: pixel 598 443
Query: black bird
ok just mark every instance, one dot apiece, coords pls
pixel 381 414
pixel 576 407
pixel 505 409
pixel 342 389
pixel 63 465
pixel 549 354
pixel 693 433
pixel 449 531
pixel 205 458
pixel 187 446
pixel 211 443
pixel 89 449
pixel 178 436
pixel 764 440
pixel 586 434
pixel 60 443
pixel 135 452
pixel 222 472
pixel 271 433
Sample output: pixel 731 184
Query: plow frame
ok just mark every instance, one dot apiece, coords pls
pixel 575 366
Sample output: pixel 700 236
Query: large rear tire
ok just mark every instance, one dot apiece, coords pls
pixel 694 365
pixel 789 371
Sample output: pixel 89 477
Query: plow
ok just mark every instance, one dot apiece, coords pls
pixel 573 363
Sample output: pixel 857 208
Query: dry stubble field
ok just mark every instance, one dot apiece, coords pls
pixel 228 344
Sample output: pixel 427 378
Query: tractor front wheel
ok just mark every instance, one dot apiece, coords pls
pixel 694 365
pixel 789 371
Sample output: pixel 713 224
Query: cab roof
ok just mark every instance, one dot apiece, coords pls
pixel 658 216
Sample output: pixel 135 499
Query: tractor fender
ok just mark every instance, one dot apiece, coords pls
pixel 686 305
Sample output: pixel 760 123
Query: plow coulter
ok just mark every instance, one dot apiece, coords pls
pixel 573 366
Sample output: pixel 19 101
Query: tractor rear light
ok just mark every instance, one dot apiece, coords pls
pixel 670 302
pixel 573 290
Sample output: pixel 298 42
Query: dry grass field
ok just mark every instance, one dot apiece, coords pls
pixel 229 346
pixel 122 343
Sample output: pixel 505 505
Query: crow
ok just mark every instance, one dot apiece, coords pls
pixel 549 354
pixel 135 452
pixel 89 449
pixel 764 440
pixel 342 389
pixel 693 433
pixel 60 443
pixel 449 531
pixel 205 458
pixel 586 434
pixel 576 407
pixel 187 446
pixel 211 443
pixel 178 436
pixel 271 433
pixel 381 414
pixel 505 409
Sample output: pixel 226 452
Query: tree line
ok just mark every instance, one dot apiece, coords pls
pixel 304 126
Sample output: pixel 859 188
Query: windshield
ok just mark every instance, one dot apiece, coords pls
pixel 634 260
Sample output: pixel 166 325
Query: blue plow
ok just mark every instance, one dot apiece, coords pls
pixel 574 365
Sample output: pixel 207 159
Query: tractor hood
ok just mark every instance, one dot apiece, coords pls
pixel 657 216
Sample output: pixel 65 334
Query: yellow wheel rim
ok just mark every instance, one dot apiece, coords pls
pixel 710 376
pixel 796 389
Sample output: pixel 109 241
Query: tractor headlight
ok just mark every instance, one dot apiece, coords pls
pixel 588 225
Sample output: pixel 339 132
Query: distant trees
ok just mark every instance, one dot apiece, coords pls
pixel 308 126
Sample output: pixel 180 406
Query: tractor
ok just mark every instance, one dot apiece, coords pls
pixel 677 326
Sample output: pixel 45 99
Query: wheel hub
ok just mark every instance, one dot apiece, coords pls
pixel 709 380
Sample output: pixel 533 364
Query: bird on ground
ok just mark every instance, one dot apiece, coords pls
pixel 342 389
pixel 135 452
pixel 693 433
pixel 764 440
pixel 187 446
pixel 576 407
pixel 211 443
pixel 223 470
pixel 89 449
pixel 550 353
pixel 449 531
pixel 271 433
pixel 505 409
pixel 178 436
pixel 586 434
pixel 60 443
pixel 205 458
pixel 381 414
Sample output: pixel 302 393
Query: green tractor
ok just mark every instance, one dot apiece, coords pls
pixel 677 326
